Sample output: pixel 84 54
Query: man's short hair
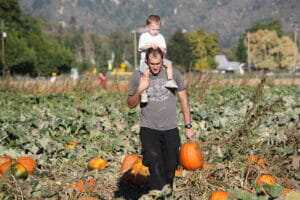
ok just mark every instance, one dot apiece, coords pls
pixel 154 53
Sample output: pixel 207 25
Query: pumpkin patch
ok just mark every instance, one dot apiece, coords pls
pixel 230 124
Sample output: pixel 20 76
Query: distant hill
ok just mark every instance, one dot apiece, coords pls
pixel 227 18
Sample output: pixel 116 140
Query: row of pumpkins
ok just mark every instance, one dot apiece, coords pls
pixel 132 169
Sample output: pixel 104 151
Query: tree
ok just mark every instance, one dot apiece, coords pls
pixel 204 46
pixel 20 58
pixel 268 51
pixel 121 44
pixel 241 52
pixel 178 49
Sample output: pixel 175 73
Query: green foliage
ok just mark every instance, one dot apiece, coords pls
pixel 21 59
pixel 10 12
pixel 39 124
pixel 241 52
pixel 204 46
pixel 122 46
pixel 268 51
pixel 28 50
pixel 178 50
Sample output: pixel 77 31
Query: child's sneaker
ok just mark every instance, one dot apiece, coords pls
pixel 171 84
pixel 144 97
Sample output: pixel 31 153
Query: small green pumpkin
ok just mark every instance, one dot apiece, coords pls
pixel 19 171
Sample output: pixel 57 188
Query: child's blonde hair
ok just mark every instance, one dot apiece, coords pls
pixel 153 19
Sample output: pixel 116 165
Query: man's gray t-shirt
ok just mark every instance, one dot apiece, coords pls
pixel 160 111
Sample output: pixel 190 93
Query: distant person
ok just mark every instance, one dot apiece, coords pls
pixel 102 80
pixel 159 132
pixel 153 39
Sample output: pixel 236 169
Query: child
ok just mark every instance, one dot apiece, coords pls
pixel 152 38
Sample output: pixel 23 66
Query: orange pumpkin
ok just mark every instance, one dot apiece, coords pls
pixel 179 171
pixel 28 163
pixel 219 195
pixel 4 167
pixel 4 159
pixel 139 168
pixel 255 159
pixel 89 198
pixel 84 186
pixel 265 178
pixel 191 156
pixel 19 171
pixel 208 165
pixel 286 191
pixel 97 163
pixel 128 161
pixel 138 174
pixel 70 145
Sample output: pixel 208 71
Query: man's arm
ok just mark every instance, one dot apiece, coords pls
pixel 134 100
pixel 186 112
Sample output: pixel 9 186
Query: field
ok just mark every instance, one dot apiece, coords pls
pixel 233 119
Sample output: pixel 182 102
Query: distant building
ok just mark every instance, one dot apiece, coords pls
pixel 228 66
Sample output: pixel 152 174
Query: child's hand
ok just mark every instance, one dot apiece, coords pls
pixel 155 45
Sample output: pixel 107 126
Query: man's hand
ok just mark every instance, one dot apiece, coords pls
pixel 189 133
pixel 144 81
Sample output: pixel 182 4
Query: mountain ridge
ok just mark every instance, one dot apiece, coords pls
pixel 226 18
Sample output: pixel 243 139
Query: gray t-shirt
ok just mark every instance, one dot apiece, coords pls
pixel 160 111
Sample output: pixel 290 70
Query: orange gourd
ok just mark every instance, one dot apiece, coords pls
pixel 179 171
pixel 191 156
pixel 70 145
pixel 4 167
pixel 265 178
pixel 255 159
pixel 286 191
pixel 19 171
pixel 89 198
pixel 97 163
pixel 4 159
pixel 138 174
pixel 128 162
pixel 139 168
pixel 28 163
pixel 84 186
pixel 219 195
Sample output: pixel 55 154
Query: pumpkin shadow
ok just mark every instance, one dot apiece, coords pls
pixel 129 191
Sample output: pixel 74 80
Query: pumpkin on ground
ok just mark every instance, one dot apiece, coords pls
pixel 179 171
pixel 89 198
pixel 191 156
pixel 286 191
pixel 84 185
pixel 97 163
pixel 70 145
pixel 138 174
pixel 128 161
pixel 28 163
pixel 4 159
pixel 4 167
pixel 265 178
pixel 219 195
pixel 255 159
pixel 19 171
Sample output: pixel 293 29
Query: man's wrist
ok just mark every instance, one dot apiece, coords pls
pixel 188 126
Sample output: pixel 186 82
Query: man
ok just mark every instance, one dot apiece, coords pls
pixel 159 129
